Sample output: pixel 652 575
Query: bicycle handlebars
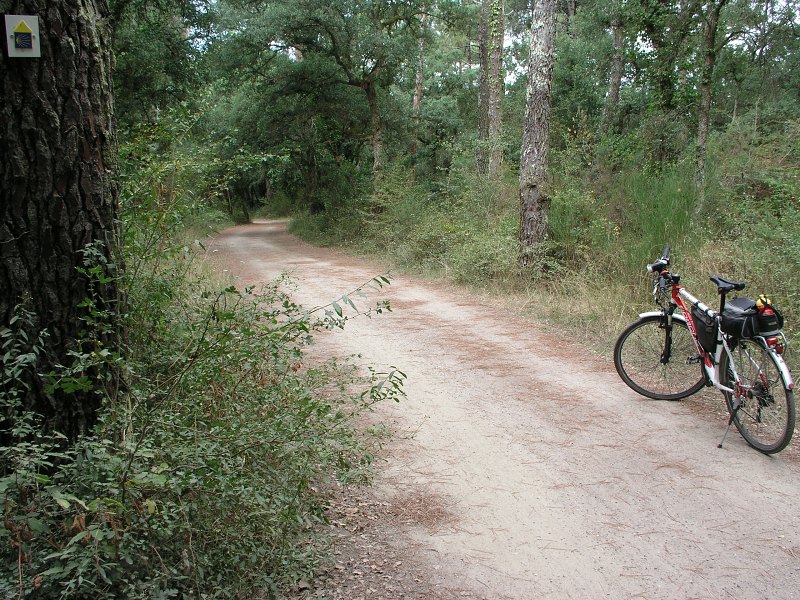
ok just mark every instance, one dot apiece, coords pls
pixel 661 263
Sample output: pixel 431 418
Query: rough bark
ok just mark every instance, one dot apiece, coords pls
pixel 496 85
pixel 534 200
pixel 417 102
pixel 57 163
pixel 709 50
pixel 482 157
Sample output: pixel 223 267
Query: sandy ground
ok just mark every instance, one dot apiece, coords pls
pixel 523 468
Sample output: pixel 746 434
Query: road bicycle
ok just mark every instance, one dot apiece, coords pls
pixel 674 352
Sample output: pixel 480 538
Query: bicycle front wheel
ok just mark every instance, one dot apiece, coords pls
pixel 659 364
pixel 763 410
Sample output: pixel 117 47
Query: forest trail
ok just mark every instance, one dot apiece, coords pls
pixel 522 467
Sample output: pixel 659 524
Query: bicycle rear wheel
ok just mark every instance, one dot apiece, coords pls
pixel 763 409
pixel 659 364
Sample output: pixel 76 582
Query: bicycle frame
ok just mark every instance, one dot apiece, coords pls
pixel 738 348
pixel 681 299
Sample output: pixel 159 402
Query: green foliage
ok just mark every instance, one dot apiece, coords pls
pixel 309 130
pixel 761 161
pixel 210 470
pixel 207 477
pixel 575 75
pixel 613 207
pixel 464 227
pixel 756 206
pixel 20 356
pixel 654 207
pixel 157 57
pixel 579 231
pixel 177 168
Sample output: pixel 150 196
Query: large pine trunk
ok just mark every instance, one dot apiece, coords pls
pixel 491 88
pixel 534 200
pixel 57 168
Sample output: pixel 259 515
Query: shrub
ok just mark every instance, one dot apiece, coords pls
pixel 206 477
pixel 215 455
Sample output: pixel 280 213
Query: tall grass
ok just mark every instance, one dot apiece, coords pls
pixel 606 222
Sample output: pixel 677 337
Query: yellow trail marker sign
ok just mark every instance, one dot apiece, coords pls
pixel 22 36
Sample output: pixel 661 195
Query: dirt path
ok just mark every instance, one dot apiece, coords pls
pixel 522 467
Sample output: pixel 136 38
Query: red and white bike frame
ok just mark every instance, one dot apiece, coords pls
pixel 682 299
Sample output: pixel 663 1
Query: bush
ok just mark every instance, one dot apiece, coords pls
pixel 214 457
pixel 206 477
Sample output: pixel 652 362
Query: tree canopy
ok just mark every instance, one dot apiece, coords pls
pixel 326 90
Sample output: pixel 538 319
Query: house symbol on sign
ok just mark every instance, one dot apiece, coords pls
pixel 23 36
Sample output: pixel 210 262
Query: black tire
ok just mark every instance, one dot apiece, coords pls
pixel 638 359
pixel 764 413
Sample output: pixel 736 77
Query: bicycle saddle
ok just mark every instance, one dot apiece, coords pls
pixel 726 285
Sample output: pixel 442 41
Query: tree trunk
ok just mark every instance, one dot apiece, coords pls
pixel 482 157
pixel 59 204
pixel 711 17
pixel 496 86
pixel 311 176
pixel 617 67
pixel 377 128
pixel 536 133
pixel 572 10
pixel 417 102
pixel 419 79
pixel 267 187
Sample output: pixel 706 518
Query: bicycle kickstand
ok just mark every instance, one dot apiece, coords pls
pixel 730 422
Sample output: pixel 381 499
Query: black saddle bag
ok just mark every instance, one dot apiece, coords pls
pixel 742 319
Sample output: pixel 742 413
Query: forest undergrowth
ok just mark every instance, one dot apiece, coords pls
pixel 612 211
pixel 218 448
